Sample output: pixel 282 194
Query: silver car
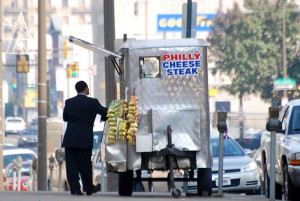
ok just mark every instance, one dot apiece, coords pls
pixel 240 172
pixel 28 137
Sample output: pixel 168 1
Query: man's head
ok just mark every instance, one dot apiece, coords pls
pixel 82 87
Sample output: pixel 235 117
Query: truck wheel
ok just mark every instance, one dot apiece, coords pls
pixel 278 191
pixel 204 182
pixel 125 183
pixel 266 184
pixel 289 189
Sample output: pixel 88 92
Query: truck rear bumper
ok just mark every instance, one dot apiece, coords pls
pixel 294 172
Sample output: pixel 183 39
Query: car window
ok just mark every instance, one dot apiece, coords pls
pixel 284 117
pixel 29 132
pixel 14 121
pixel 9 158
pixel 231 148
pixel 294 126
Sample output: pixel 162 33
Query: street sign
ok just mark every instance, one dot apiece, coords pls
pixel 285 84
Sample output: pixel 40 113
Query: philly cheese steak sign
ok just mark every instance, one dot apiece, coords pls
pixel 181 64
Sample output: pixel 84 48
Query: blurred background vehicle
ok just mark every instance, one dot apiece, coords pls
pixel 28 137
pixel 250 141
pixel 10 154
pixel 240 172
pixel 14 125
pixel 8 176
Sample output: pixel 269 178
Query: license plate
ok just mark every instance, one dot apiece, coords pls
pixel 226 181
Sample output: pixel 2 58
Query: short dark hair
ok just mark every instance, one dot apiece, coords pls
pixel 80 86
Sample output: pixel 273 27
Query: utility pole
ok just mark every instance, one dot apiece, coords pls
pixel 109 44
pixel 110 82
pixel 1 105
pixel 42 98
pixel 285 97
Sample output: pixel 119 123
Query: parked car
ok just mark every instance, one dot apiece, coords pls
pixel 250 141
pixel 287 154
pixel 10 154
pixel 8 177
pixel 14 125
pixel 28 137
pixel 240 172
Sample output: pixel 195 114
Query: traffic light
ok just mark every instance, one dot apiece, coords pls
pixel 14 84
pixel 73 70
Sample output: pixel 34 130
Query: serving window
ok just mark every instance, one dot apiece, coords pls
pixel 149 67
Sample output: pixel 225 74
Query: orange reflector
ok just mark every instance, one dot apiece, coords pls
pixel 295 162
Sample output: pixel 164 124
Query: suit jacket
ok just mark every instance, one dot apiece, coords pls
pixel 80 113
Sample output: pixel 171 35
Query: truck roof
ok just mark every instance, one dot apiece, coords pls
pixel 159 43
pixel 295 102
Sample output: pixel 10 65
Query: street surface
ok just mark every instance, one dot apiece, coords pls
pixel 112 196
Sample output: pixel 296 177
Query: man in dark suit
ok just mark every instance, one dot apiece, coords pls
pixel 80 113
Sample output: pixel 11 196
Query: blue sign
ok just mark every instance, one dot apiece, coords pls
pixel 173 22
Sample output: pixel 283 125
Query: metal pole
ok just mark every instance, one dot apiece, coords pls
pixel 109 44
pixel 1 105
pixel 189 19
pixel 284 48
pixel 14 179
pixel 59 176
pixel 110 83
pixel 272 165
pixel 42 98
pixel 220 173
pixel 102 177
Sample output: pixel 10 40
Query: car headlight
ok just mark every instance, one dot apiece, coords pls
pixel 249 167
pixel 295 159
pixel 25 138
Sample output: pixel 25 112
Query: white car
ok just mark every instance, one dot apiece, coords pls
pixel 10 154
pixel 14 125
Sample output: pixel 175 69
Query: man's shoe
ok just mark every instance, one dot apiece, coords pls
pixel 95 189
pixel 77 193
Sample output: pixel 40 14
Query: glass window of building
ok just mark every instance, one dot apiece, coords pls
pixel 136 8
pixel 81 4
pixel 14 4
pixel 65 3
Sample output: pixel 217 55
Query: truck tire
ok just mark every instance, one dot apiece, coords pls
pixel 290 191
pixel 204 182
pixel 125 183
pixel 278 191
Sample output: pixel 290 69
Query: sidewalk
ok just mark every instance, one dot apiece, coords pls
pixel 112 196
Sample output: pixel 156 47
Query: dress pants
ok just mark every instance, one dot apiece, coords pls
pixel 78 163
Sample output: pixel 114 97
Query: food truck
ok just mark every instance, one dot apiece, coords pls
pixel 161 121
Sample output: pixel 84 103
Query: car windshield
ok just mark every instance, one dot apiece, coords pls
pixel 294 127
pixel 14 121
pixel 231 148
pixel 25 171
pixel 9 158
pixel 29 132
